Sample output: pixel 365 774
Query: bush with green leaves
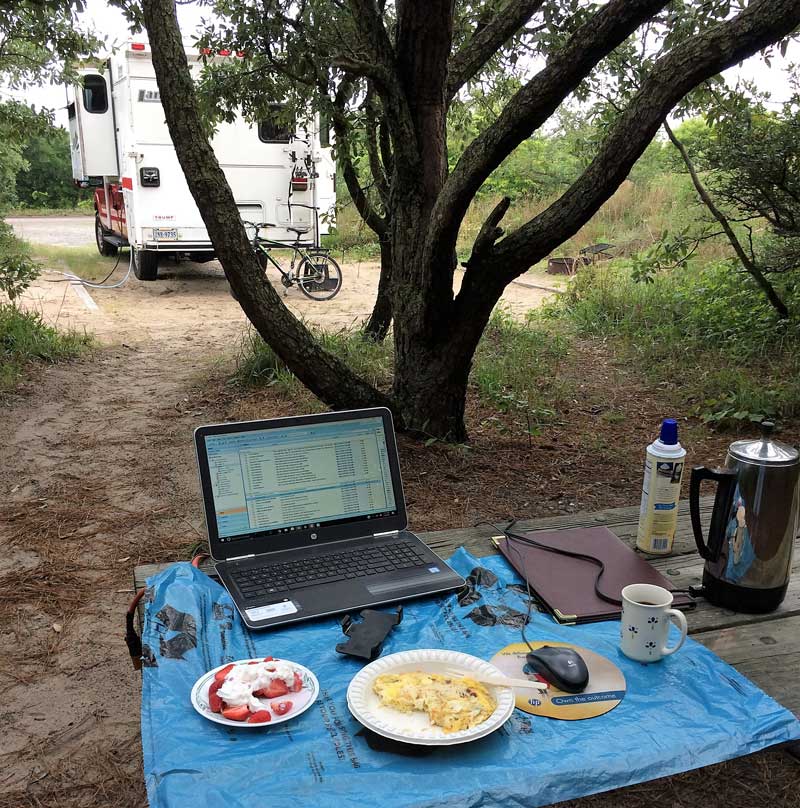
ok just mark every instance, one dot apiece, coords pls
pixel 707 330
pixel 17 269
pixel 46 182
pixel 26 338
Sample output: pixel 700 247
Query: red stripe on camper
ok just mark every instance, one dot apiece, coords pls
pixel 127 182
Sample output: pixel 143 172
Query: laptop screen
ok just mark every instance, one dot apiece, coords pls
pixel 290 478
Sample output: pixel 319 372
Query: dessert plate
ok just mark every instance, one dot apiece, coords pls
pixel 301 700
pixel 415 727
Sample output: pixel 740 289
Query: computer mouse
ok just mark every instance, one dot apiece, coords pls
pixel 562 667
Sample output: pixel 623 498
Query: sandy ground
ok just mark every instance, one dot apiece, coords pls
pixel 97 475
pixel 191 302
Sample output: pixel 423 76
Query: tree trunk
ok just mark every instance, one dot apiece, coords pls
pixel 377 326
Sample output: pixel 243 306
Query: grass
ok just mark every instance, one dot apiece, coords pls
pixel 515 366
pixel 82 210
pixel 85 262
pixel 26 338
pixel 706 331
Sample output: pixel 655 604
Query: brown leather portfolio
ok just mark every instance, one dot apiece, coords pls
pixel 565 585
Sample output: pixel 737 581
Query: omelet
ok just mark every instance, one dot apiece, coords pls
pixel 454 704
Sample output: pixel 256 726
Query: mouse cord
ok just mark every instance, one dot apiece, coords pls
pixel 516 538
pixel 583 556
pixel 531 596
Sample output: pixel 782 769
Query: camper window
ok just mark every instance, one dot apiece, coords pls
pixel 95 97
pixel 274 129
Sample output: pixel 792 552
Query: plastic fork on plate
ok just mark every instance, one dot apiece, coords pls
pixel 495 681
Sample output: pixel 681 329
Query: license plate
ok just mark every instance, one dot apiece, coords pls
pixel 165 234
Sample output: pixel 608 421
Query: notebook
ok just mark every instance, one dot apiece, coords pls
pixel 565 586
pixel 306 517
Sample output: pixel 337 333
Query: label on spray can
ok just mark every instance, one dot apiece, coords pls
pixel 658 514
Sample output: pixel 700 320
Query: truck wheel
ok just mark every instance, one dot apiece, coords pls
pixel 145 264
pixel 103 247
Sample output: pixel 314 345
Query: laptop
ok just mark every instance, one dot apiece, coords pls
pixel 306 517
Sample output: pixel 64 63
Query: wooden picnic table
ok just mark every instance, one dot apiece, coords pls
pixel 764 647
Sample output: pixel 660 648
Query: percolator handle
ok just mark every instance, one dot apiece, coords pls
pixel 726 487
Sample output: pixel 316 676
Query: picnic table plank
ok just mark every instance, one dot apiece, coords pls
pixel 766 653
pixel 624 522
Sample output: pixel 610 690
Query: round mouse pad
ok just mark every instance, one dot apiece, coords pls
pixel 605 690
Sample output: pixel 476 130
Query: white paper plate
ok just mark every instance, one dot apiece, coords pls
pixel 302 700
pixel 416 727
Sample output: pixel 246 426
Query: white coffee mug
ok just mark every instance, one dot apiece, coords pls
pixel 646 616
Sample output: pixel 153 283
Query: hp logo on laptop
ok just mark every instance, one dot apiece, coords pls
pixel 313 536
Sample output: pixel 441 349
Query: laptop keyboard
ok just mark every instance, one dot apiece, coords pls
pixel 266 580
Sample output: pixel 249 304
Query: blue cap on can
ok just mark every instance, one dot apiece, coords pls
pixel 669 431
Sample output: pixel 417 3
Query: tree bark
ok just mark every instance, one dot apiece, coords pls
pixel 324 374
pixel 380 320
pixel 746 261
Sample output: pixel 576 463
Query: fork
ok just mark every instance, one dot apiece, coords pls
pixel 496 681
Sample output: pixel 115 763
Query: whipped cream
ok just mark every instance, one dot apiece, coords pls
pixel 243 679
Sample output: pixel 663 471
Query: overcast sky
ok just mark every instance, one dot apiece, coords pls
pixel 109 20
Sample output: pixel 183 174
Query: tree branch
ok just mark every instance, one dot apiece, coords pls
pixel 530 107
pixel 490 231
pixel 385 142
pixel 367 18
pixel 355 67
pixel 371 137
pixel 486 41
pixel 674 75
pixel 341 128
pixel 747 261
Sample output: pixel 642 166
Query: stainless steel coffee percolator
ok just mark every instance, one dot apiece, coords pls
pixel 753 524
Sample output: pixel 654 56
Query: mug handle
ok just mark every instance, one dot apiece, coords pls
pixel 679 618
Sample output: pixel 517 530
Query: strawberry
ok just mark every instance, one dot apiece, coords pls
pixel 254 662
pixel 281 707
pixel 214 701
pixel 239 713
pixel 261 717
pixel 297 684
pixel 269 659
pixel 277 687
pixel 220 675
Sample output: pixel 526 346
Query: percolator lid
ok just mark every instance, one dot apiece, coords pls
pixel 765 451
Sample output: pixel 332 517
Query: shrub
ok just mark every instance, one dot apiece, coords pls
pixel 17 269
pixel 709 330
pixel 25 337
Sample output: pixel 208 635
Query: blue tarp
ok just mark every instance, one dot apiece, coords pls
pixel 690 710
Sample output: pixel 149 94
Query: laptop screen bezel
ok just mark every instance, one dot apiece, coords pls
pixel 255 543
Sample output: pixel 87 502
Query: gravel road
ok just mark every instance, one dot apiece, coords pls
pixel 62 231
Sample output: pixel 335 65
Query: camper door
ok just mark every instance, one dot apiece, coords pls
pixel 91 126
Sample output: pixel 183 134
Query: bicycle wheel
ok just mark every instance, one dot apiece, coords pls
pixel 319 276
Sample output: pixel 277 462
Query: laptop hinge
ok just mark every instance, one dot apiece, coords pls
pixel 239 558
pixel 385 533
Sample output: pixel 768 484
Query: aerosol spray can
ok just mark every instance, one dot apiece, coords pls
pixel 661 490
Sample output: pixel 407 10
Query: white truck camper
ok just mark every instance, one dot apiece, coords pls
pixel 281 176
